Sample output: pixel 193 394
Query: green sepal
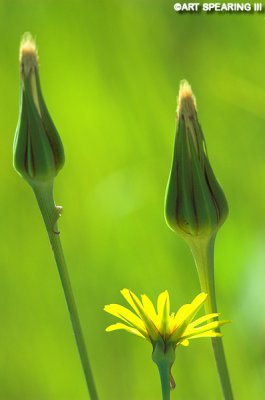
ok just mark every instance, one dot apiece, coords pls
pixel 50 129
pixel 218 194
pixel 38 150
pixel 164 357
pixel 202 200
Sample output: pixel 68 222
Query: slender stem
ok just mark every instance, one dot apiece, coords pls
pixel 50 214
pixel 165 380
pixel 164 356
pixel 203 253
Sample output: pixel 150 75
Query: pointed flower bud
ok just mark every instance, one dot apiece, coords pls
pixel 38 150
pixel 195 203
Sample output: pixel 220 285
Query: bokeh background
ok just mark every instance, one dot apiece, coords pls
pixel 110 72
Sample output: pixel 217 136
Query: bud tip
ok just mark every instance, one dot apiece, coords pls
pixel 28 54
pixel 186 98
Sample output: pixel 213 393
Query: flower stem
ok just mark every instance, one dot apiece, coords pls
pixel 165 381
pixel 50 214
pixel 164 357
pixel 203 253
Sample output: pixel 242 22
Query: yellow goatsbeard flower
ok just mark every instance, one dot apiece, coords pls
pixel 156 325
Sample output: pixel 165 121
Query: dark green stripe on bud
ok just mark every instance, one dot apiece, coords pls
pixel 195 203
pixel 38 150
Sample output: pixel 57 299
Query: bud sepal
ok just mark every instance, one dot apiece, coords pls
pixel 195 203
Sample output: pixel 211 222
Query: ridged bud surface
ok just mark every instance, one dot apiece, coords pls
pixel 195 202
pixel 38 150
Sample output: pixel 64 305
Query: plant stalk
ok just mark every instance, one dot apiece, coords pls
pixel 165 380
pixel 203 253
pixel 164 356
pixel 50 214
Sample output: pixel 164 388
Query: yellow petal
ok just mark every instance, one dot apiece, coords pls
pixel 178 332
pixel 119 325
pixel 188 311
pixel 171 324
pixel 162 302
pixel 185 315
pixel 126 294
pixel 207 334
pixel 126 315
pixel 185 343
pixel 198 302
pixel 203 319
pixel 208 327
pixel 181 314
pixel 163 307
pixel 150 326
pixel 149 308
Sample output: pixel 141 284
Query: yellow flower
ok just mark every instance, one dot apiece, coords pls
pixel 155 325
pixel 163 329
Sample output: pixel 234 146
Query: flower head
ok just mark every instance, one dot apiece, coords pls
pixel 195 202
pixel 165 330
pixel 155 325
pixel 38 150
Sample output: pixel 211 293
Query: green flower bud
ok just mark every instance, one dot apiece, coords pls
pixel 38 150
pixel 195 203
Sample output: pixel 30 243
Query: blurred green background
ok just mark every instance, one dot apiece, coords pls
pixel 110 73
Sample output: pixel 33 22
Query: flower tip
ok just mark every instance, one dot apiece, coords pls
pixel 185 89
pixel 201 297
pixel 186 98
pixel 165 293
pixel 125 291
pixel 28 53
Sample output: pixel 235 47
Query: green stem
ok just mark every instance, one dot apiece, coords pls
pixel 50 214
pixel 203 253
pixel 165 380
pixel 164 356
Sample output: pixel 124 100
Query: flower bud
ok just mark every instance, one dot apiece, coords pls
pixel 195 203
pixel 38 150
